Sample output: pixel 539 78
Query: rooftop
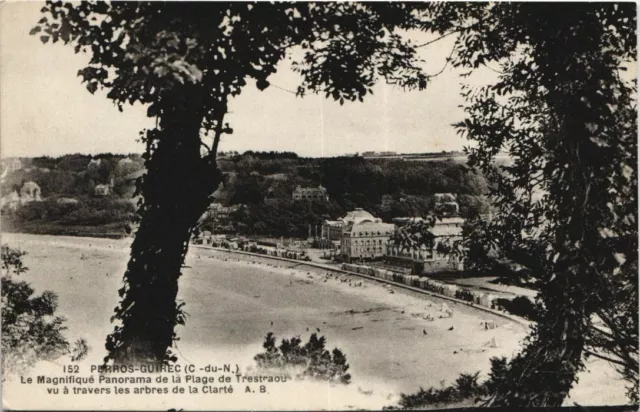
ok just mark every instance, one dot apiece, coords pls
pixel 359 216
pixel 449 221
pixel 442 196
pixel 313 188
pixel 441 230
pixel 373 227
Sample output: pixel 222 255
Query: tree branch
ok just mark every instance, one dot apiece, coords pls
pixel 618 341
pixel 617 362
pixel 205 145
pixel 492 69
pixel 218 132
pixel 440 38
pixel 446 62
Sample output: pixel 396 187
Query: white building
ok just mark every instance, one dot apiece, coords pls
pixel 364 236
pixel 310 193
pixel 445 231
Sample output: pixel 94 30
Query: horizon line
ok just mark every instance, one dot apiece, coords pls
pixel 386 153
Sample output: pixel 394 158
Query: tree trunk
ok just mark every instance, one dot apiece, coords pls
pixel 543 373
pixel 176 192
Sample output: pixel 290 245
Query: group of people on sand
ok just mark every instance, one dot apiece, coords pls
pixel 343 279
pixel 324 276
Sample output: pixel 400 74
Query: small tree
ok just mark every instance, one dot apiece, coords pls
pixel 464 392
pixel 309 361
pixel 31 330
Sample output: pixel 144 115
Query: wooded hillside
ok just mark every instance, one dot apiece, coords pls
pixel 263 182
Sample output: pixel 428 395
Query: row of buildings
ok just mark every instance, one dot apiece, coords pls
pixel 361 236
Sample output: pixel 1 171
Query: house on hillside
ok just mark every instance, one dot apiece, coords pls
pixel 448 208
pixel 386 202
pixel 220 212
pixel 93 164
pixel 446 204
pixel 218 217
pixel 310 193
pixel 444 197
pixel 27 193
pixel 102 190
pixel 30 192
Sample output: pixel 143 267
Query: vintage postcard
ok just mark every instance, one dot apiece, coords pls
pixel 318 205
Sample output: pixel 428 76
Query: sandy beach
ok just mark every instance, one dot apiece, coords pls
pixel 395 340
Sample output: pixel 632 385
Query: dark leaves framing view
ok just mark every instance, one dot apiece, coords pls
pixel 567 206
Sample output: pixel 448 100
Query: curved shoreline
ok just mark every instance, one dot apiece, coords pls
pixel 503 315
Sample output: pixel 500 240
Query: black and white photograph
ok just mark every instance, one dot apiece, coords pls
pixel 348 205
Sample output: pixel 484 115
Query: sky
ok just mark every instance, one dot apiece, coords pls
pixel 45 110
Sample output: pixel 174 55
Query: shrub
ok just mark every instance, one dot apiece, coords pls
pixel 90 212
pixel 466 389
pixel 519 306
pixel 31 330
pixel 310 360
pixel 498 375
